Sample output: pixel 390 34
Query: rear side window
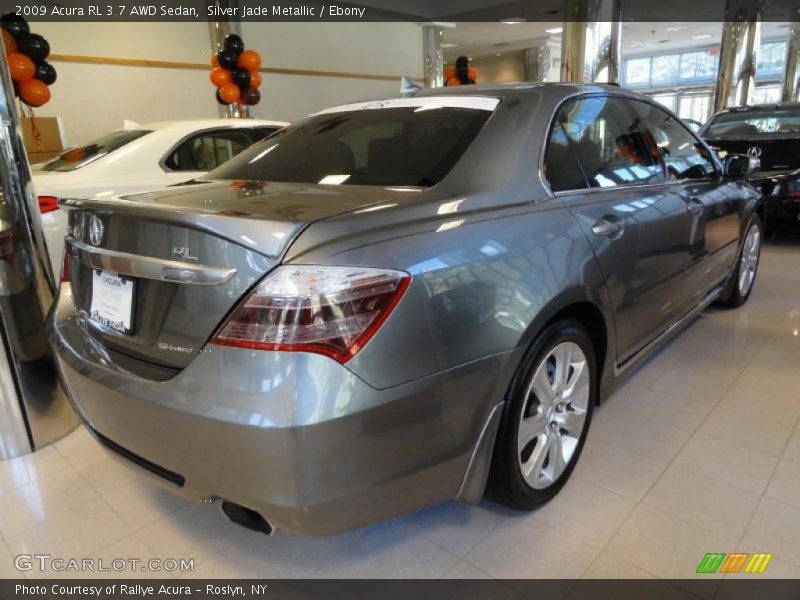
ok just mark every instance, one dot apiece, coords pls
pixel 604 137
pixel 403 142
pixel 208 150
pixel 75 158
pixel 682 153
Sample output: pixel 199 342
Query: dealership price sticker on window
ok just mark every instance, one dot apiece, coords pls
pixel 112 301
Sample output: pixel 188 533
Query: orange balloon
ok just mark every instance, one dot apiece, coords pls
pixel 449 72
pixel 472 74
pixel 250 60
pixel 21 67
pixel 255 79
pixel 214 61
pixel 220 76
pixel 34 92
pixel 9 42
pixel 453 81
pixel 229 93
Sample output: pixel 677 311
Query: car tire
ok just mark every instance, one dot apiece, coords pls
pixel 546 417
pixel 743 278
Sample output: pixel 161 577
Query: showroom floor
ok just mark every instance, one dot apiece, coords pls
pixel 699 452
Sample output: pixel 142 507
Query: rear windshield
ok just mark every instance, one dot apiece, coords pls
pixel 75 158
pixel 402 142
pixel 755 123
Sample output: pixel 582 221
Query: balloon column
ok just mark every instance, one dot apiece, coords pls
pixel 26 53
pixel 235 73
pixel 461 74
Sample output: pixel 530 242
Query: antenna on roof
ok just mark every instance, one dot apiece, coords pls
pixel 407 86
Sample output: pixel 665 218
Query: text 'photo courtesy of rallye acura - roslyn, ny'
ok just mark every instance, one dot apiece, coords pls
pixel 394 303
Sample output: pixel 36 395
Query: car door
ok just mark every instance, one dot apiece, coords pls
pixel 597 162
pixel 203 152
pixel 715 206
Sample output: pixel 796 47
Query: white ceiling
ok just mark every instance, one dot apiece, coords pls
pixel 486 39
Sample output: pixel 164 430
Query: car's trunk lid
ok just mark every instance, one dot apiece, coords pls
pixel 774 154
pixel 191 253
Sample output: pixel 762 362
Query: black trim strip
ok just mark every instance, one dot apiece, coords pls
pixel 155 469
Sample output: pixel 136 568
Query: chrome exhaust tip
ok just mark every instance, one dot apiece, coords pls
pixel 246 517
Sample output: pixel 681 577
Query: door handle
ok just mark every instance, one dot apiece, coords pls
pixel 694 204
pixel 609 226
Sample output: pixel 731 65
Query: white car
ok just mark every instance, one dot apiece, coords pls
pixel 141 158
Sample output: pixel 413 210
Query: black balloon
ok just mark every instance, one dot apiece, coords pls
pixel 34 45
pixel 252 96
pixel 241 77
pixel 14 24
pixel 220 100
pixel 234 43
pixel 227 59
pixel 46 73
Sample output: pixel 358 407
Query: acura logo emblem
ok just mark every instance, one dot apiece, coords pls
pixel 96 231
pixel 754 151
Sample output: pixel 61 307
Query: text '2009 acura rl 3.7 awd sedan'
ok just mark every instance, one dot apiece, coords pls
pixel 394 303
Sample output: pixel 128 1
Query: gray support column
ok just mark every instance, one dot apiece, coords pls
pixel 741 32
pixel 542 60
pixel 219 30
pixel 592 38
pixel 33 408
pixel 432 36
pixel 790 90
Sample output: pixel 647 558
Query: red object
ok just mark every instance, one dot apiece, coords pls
pixel 47 204
pixel 255 79
pixel 21 67
pixel 335 320
pixel 34 92
pixel 214 61
pixel 453 81
pixel 230 93
pixel 220 76
pixel 472 74
pixel 250 60
pixel 65 268
pixel 9 42
pixel 449 72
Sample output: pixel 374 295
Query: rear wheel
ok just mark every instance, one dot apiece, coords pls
pixel 546 417
pixel 743 277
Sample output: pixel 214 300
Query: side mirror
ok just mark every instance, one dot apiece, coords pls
pixel 740 166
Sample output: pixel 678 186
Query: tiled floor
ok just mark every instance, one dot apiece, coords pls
pixel 698 452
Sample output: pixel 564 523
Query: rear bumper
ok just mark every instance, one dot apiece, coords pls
pixel 296 437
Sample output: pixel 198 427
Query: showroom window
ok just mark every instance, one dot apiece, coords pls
pixel 602 132
pixel 208 150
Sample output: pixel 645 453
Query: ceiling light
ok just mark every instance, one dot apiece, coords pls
pixel 554 30
pixel 513 21
pixel 678 28
pixel 499 54
pixel 449 45
pixel 703 36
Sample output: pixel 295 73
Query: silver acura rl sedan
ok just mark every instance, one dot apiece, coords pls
pixel 394 303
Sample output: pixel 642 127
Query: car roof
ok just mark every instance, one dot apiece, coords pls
pixel 757 107
pixel 520 88
pixel 198 124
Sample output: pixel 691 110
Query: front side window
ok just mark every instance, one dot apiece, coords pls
pixel 673 144
pixel 400 142
pixel 75 158
pixel 208 150
pixel 603 135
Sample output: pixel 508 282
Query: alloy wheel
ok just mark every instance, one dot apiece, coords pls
pixel 553 415
pixel 749 260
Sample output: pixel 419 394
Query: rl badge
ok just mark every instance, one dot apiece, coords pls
pixel 736 562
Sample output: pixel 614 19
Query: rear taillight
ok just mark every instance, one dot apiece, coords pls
pixel 47 204
pixel 65 268
pixel 328 310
